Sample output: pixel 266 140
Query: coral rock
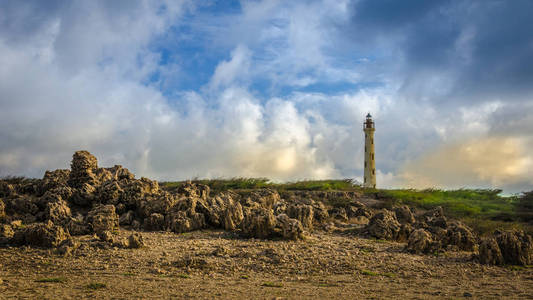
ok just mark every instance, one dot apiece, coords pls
pixel 41 234
pixel 384 226
pixel 291 229
pixel 489 252
pixel 404 215
pixel 154 222
pixel 419 241
pixel 258 222
pixel 516 247
pixel 102 218
pixel 302 213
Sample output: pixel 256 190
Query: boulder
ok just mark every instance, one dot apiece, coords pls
pixel 160 203
pixel 6 189
pixel 404 232
pixel 339 213
pixel 135 191
pixel 119 173
pixel 67 247
pixel 105 236
pixel 266 198
pixel 384 226
pixel 404 215
pixel 21 205
pixel 45 235
pixel 77 226
pixel 364 211
pixel 126 218
pixel 135 240
pixel 2 210
pixel 60 193
pixel 83 168
pixel 258 222
pixel 291 229
pixel 6 233
pixel 351 211
pixel 233 216
pixel 320 212
pixel 54 179
pixel 185 221
pixel 194 190
pixel 110 193
pixel 435 217
pixel 419 242
pixel 489 252
pixel 516 247
pixel 102 218
pixel 302 213
pixel 154 222
pixel 84 195
pixel 460 236
pixel 57 212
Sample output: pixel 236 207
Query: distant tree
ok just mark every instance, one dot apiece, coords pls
pixel 525 201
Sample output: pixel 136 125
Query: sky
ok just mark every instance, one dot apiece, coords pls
pixel 176 90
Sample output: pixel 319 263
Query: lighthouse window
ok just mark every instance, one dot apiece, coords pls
pixel 373 172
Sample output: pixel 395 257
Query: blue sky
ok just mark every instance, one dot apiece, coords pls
pixel 278 89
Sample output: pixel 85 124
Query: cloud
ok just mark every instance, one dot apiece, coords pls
pixel 227 72
pixel 482 162
pixel 276 89
pixel 469 51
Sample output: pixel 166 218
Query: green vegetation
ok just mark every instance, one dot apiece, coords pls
pixel 218 185
pixel 185 276
pixel 52 279
pixel 96 286
pixel 272 284
pixel 369 273
pixel 460 203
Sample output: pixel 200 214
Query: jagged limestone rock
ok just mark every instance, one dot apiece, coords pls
pixel 291 229
pixel 103 218
pixel 45 235
pixel 154 222
pixel 384 226
pixel 258 222
pixel 82 169
pixel 490 253
pixel 420 241
pixel 302 213
pixel 57 212
pixel 404 215
pixel 516 247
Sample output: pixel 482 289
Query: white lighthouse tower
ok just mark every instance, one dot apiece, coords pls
pixel 370 163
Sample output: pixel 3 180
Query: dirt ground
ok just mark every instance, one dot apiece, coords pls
pixel 216 264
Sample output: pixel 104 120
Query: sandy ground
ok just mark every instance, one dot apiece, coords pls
pixel 216 264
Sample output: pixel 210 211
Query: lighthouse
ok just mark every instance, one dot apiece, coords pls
pixel 370 162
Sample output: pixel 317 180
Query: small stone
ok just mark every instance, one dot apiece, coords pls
pixel 135 241
pixel 467 294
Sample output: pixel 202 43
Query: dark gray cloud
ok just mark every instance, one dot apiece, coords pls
pixel 480 50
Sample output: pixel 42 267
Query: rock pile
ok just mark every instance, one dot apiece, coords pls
pixel 87 199
pixel 508 247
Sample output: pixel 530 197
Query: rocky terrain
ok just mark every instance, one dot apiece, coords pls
pixel 100 232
